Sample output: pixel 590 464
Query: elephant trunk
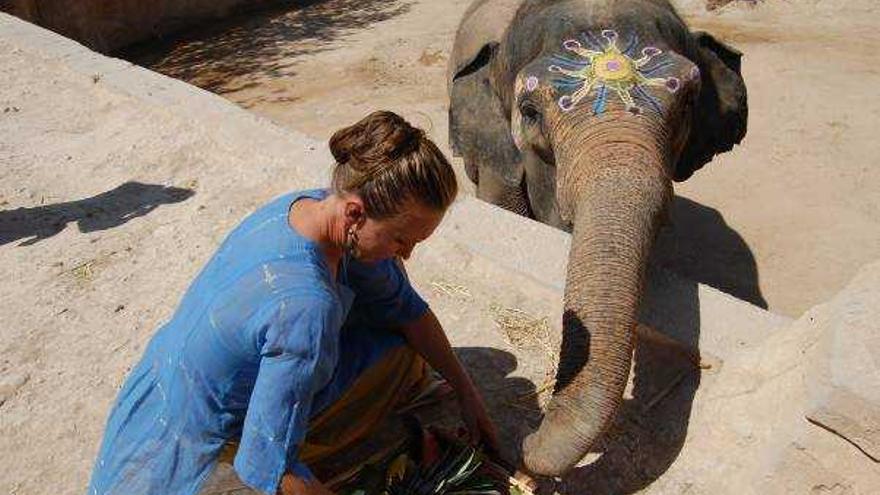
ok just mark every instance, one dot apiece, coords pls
pixel 616 199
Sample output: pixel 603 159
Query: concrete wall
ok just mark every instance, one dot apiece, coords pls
pixel 106 25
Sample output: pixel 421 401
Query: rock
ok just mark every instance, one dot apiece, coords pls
pixel 10 383
pixel 851 417
pixel 845 372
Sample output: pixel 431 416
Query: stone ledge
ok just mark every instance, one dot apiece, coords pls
pixel 149 88
pixel 107 26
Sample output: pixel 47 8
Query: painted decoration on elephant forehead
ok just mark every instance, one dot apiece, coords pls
pixel 598 68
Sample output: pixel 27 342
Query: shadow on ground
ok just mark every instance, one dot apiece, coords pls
pixel 104 211
pixel 234 54
pixel 651 425
pixel 700 246
pixel 511 400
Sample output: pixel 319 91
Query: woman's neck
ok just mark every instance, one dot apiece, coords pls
pixel 321 222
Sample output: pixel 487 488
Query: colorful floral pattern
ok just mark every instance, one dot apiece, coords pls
pixel 595 67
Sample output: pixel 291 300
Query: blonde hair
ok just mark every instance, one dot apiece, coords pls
pixel 385 161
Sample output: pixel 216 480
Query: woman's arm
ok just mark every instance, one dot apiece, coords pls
pixel 299 335
pixel 427 337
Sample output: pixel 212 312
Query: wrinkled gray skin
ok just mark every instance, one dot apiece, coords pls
pixel 605 176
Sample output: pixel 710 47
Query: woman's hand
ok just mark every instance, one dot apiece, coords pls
pixel 476 418
pixel 292 484
pixel 426 336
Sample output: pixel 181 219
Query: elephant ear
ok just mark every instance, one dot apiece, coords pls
pixel 479 126
pixel 721 112
pixel 483 24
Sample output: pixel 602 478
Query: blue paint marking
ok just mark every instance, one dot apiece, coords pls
pixel 567 84
pixel 599 104
pixel 593 42
pixel 641 94
pixel 630 47
pixel 648 72
pixel 569 63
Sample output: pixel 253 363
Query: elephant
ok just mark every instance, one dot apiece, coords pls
pixel 581 114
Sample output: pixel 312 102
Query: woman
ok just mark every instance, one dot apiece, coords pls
pixel 302 321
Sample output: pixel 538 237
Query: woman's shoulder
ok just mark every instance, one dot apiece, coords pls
pixel 279 206
pixel 265 248
pixel 268 228
pixel 298 275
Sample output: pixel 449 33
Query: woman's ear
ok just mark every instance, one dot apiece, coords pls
pixel 721 113
pixel 355 212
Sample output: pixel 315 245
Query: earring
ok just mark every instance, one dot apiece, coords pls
pixel 351 243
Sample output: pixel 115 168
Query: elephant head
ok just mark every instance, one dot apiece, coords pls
pixel 581 114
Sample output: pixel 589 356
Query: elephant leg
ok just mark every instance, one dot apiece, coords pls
pixel 494 189
pixel 472 171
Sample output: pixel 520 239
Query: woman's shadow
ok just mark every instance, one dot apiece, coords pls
pixel 104 211
pixel 512 400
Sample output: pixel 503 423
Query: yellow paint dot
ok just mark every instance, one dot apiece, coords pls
pixel 613 67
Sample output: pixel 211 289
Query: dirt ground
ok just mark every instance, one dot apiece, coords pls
pixel 783 221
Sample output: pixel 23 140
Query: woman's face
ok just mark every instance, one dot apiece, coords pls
pixel 398 235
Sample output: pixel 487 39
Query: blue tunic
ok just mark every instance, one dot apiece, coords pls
pixel 262 341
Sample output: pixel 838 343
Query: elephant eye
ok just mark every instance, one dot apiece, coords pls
pixel 529 112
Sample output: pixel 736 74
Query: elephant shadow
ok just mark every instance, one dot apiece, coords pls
pixel 700 246
pixel 651 424
pixel 104 211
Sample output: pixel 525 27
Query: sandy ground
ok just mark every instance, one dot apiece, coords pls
pixel 783 221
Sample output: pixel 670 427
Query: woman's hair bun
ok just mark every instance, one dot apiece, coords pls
pixel 385 160
pixel 374 141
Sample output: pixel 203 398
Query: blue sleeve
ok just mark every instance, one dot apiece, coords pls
pixel 384 294
pixel 297 359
